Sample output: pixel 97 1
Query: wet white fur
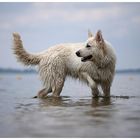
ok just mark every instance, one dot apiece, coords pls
pixel 61 60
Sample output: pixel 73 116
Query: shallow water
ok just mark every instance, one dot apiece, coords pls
pixel 74 114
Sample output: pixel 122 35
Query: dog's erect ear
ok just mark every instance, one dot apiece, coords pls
pixel 90 34
pixel 99 37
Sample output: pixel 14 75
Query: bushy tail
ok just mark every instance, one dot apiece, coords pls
pixel 21 54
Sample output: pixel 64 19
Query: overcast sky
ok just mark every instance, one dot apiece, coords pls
pixel 44 24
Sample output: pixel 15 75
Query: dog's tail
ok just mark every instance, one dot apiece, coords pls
pixel 21 54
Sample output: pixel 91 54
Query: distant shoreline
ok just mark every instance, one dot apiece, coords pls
pixel 135 71
pixel 32 71
pixel 24 71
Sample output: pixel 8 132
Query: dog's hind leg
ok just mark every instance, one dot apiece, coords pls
pixel 58 76
pixel 56 90
pixel 53 73
pixel 44 92
pixel 91 83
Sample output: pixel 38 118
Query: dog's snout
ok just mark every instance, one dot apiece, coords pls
pixel 78 53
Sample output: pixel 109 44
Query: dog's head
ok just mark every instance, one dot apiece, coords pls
pixel 94 47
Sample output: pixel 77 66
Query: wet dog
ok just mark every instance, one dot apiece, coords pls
pixel 92 62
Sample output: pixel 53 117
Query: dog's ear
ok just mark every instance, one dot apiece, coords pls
pixel 90 34
pixel 99 38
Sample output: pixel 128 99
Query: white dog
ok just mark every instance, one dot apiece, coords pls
pixel 92 62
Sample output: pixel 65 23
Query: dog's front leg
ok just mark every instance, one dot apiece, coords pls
pixel 91 83
pixel 106 88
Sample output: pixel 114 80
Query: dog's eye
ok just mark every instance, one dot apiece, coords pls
pixel 88 46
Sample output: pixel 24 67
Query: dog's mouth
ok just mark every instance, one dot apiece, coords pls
pixel 84 59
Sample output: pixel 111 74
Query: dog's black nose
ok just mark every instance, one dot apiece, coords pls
pixel 78 53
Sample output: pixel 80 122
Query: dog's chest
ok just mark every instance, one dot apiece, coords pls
pixel 73 63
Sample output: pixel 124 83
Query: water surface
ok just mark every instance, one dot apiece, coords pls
pixel 74 114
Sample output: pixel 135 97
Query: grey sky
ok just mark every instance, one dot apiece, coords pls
pixel 44 24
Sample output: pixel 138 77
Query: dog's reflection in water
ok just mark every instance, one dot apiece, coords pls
pixel 54 101
pixel 66 101
pixel 101 101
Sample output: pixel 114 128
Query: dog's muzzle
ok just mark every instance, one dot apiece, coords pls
pixel 83 59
